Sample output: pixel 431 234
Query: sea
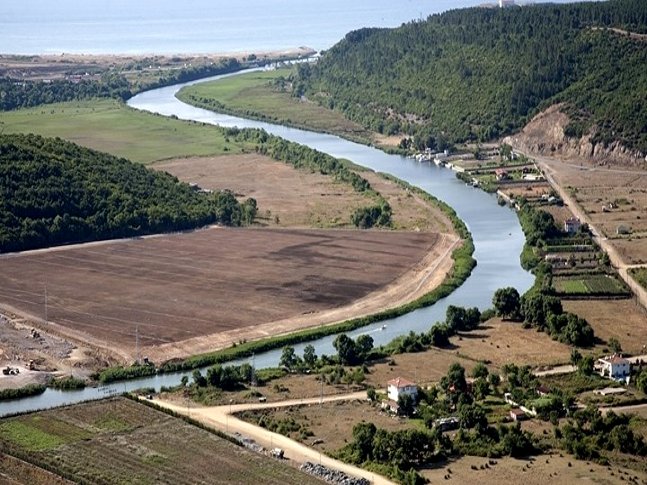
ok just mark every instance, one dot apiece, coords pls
pixel 197 26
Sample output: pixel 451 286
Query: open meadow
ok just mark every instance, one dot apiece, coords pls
pixel 122 441
pixel 177 287
pixel 263 95
pixel 113 127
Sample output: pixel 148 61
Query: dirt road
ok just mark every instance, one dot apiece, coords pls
pixel 221 418
pixel 598 237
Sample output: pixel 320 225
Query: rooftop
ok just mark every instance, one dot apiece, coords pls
pixel 400 382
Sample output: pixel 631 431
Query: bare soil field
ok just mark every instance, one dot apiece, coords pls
pixel 528 191
pixel 182 287
pixel 296 197
pixel 330 423
pixel 301 198
pixel 14 472
pixel 121 441
pixel 622 319
pixel 553 469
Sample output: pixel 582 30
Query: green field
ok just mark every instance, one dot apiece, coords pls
pixel 596 284
pixel 640 275
pixel 122 441
pixel 255 95
pixel 112 127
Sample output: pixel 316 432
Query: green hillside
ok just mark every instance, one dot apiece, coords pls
pixel 479 73
pixel 55 192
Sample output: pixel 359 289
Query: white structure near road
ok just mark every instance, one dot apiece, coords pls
pixel 399 387
pixel 614 367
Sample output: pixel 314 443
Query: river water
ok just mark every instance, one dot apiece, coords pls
pixel 497 235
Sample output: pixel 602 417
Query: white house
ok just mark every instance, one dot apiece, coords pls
pixel 572 225
pixel 614 367
pixel 398 387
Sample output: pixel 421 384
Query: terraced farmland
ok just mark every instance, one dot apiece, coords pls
pixel 122 441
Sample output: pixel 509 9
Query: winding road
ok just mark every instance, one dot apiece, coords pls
pixel 223 419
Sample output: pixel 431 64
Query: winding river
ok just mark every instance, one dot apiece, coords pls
pixel 497 235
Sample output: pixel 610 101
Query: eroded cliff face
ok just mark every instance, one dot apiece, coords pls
pixel 544 135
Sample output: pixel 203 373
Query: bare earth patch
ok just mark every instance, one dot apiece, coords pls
pixel 228 284
pixel 551 469
pixel 622 319
pixel 297 197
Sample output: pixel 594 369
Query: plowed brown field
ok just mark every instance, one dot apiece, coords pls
pixel 173 288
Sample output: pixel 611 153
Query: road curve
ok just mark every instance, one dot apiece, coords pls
pixel 222 419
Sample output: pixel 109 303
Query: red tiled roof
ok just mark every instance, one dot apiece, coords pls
pixel 399 382
pixel 616 359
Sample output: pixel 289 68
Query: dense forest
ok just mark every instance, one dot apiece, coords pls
pixel 479 73
pixel 55 192
pixel 16 94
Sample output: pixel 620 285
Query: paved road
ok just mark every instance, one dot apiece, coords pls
pixel 220 417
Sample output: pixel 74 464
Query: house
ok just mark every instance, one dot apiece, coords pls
pixel 501 174
pixel 572 225
pixel 399 387
pixel 517 414
pixel 614 367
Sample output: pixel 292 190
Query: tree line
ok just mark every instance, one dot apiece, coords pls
pixel 477 74
pixel 55 192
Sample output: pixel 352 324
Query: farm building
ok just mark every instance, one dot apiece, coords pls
pixel 399 387
pixel 622 230
pixel 517 415
pixel 501 174
pixel 614 367
pixel 572 225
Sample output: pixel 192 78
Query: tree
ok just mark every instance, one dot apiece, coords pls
pixel 346 350
pixel 480 370
pixel 309 355
pixel 614 345
pixel 406 405
pixel 363 346
pixel 289 358
pixel 371 394
pixel 506 302
pixel 184 381
pixel 494 380
pixel 439 335
pixel 585 365
pixel 576 357
pixel 199 379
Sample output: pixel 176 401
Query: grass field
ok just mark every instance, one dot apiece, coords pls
pixel 121 441
pixel 640 275
pixel 112 127
pixel 596 284
pixel 255 95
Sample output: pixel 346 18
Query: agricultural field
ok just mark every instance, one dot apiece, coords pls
pixel 593 284
pixel 286 197
pixel 611 198
pixel 113 127
pixel 621 319
pixel 259 95
pixel 122 441
pixel 174 290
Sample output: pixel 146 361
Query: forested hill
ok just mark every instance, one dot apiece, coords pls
pixel 54 192
pixel 479 73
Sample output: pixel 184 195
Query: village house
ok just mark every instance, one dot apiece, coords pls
pixel 501 174
pixel 614 367
pixel 400 387
pixel 517 415
pixel 572 225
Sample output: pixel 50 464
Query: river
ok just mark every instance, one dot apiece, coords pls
pixel 497 235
